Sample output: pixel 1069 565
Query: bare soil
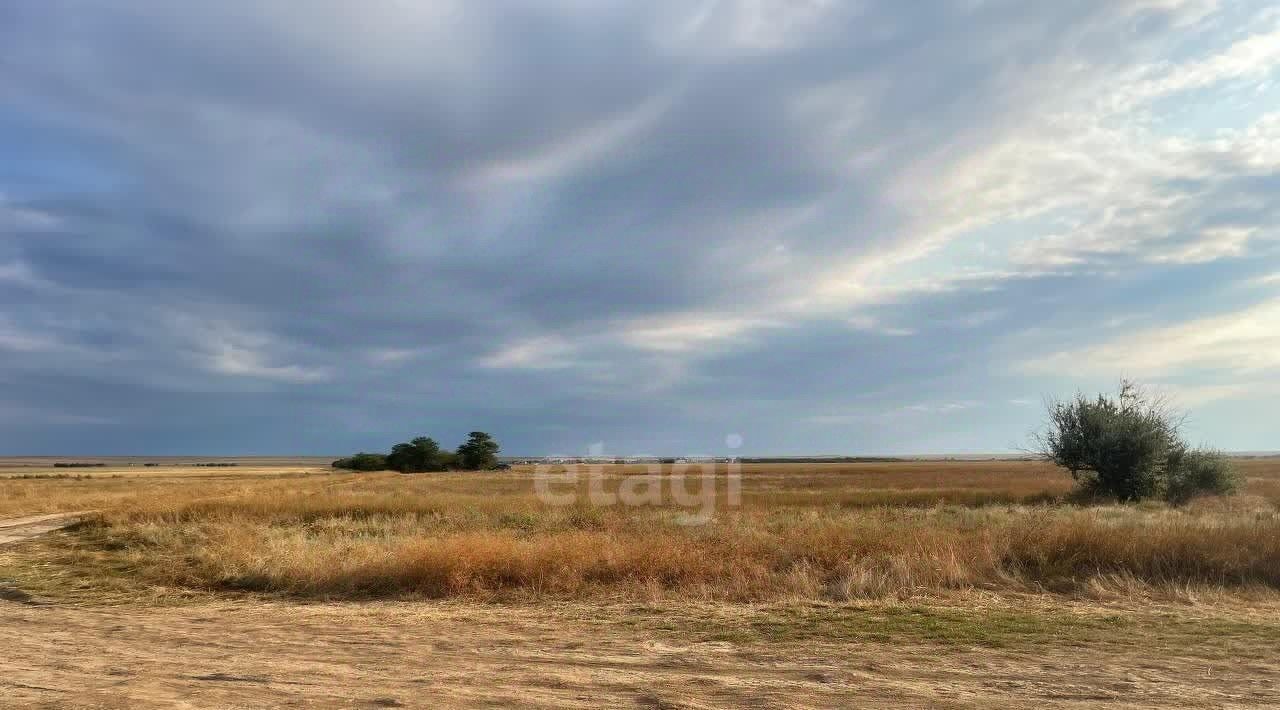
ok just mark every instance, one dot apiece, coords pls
pixel 18 529
pixel 256 655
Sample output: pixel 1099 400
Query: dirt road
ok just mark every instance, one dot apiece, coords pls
pixel 441 655
pixel 18 529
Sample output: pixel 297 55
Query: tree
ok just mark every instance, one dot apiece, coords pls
pixel 416 456
pixel 1129 447
pixel 363 462
pixel 480 452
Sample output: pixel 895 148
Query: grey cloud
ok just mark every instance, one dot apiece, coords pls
pixel 337 217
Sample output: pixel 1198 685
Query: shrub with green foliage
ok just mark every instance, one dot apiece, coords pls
pixel 1199 472
pixel 363 462
pixel 1129 447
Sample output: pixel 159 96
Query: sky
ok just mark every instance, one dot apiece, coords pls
pixel 661 227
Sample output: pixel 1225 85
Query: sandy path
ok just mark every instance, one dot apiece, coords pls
pixel 18 529
pixel 263 655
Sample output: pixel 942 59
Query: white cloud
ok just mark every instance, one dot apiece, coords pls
pixel 15 217
pixel 574 152
pixel 870 413
pixel 688 333
pixel 677 336
pixel 728 28
pixel 225 348
pixel 1120 184
pixel 395 356
pixel 1252 57
pixel 1125 190
pixel 243 361
pixel 1213 244
pixel 537 353
pixel 19 273
pixel 871 324
pixel 941 407
pixel 1247 341
pixel 22 340
pixel 1191 396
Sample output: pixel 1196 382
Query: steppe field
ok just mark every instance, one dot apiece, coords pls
pixel 282 583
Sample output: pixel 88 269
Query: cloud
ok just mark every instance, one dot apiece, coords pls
pixel 223 348
pixel 15 339
pixel 941 408
pixel 395 356
pixel 535 354
pixel 872 325
pixel 1246 342
pixel 689 332
pixel 1196 395
pixel 242 361
pixel 19 274
pixel 647 223
pixel 591 143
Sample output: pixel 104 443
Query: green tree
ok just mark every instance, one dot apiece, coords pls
pixel 416 456
pixel 363 462
pixel 1129 447
pixel 478 453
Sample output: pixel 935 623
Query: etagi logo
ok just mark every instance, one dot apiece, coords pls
pixel 697 486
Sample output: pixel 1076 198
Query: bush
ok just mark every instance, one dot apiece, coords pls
pixel 362 462
pixel 1129 448
pixel 1199 472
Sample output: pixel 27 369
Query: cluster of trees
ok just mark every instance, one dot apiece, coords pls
pixel 478 453
pixel 1129 447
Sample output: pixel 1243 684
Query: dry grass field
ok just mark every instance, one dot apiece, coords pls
pixel 950 584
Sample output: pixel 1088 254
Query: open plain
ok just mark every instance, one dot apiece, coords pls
pixel 931 583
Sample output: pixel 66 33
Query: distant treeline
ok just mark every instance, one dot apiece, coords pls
pixel 78 465
pixel 478 453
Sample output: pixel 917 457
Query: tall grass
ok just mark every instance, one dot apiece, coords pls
pixel 367 542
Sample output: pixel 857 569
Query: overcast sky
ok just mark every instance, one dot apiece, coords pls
pixel 822 227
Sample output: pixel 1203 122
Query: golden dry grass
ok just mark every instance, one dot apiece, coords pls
pixel 914 584
pixel 31 485
pixel 806 531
